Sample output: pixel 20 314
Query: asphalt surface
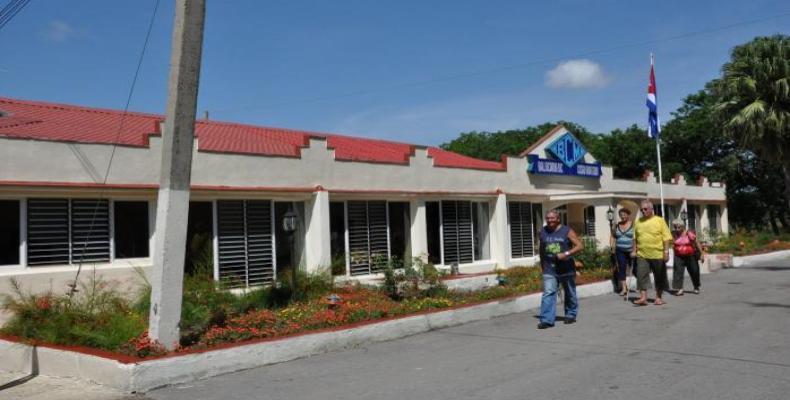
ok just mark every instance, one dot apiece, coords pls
pixel 730 342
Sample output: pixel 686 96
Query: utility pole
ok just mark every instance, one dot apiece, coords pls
pixel 172 206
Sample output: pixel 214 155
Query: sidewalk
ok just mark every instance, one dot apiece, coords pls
pixel 48 388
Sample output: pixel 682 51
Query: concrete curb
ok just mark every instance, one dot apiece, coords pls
pixel 147 375
pixel 743 260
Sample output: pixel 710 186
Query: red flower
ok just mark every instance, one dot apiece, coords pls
pixel 43 303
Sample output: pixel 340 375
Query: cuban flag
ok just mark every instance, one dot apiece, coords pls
pixel 653 125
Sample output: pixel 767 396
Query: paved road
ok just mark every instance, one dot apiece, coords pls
pixel 730 342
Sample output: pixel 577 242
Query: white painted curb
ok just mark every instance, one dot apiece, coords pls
pixel 743 260
pixel 147 375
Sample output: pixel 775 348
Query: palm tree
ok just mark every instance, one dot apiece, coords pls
pixel 754 100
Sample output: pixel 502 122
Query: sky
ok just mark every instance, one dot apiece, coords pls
pixel 412 71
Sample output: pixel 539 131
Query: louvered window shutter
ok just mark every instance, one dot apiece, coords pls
pixel 60 231
pixel 90 231
pixel 48 231
pixel 260 242
pixel 589 221
pixel 246 242
pixel 232 243
pixel 368 238
pixel 378 234
pixel 359 257
pixel 457 232
pixel 522 241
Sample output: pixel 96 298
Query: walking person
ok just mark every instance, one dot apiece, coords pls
pixel 621 243
pixel 686 249
pixel 558 243
pixel 651 249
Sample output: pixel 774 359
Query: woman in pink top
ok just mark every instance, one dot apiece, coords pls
pixel 686 249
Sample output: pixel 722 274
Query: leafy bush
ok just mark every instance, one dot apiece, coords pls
pixel 98 316
pixel 591 257
pixel 416 279
pixel 749 242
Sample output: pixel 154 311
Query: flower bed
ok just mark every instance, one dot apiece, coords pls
pixel 100 318
pixel 742 243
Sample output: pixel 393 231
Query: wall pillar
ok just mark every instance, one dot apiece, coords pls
pixel 419 229
pixel 725 222
pixel 318 251
pixel 703 223
pixel 603 230
pixel 500 235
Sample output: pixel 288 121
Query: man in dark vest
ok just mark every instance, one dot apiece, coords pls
pixel 558 243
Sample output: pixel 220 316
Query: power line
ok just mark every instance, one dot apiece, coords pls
pixel 11 10
pixel 115 143
pixel 504 68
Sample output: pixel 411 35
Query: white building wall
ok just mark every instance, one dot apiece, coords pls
pixel 216 175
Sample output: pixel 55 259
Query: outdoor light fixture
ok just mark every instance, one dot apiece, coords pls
pixel 684 215
pixel 610 215
pixel 289 221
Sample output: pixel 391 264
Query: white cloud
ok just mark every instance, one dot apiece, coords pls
pixel 58 32
pixel 577 74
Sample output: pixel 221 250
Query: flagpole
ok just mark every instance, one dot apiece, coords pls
pixel 658 154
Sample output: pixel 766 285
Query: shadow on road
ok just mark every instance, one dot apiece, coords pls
pixel 768 305
pixel 768 268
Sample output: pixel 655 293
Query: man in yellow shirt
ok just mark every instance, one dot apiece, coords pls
pixel 651 249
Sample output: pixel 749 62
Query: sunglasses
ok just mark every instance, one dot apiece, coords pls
pixel 646 208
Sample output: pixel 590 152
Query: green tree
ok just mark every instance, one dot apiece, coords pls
pixel 753 100
pixel 693 143
pixel 628 151
pixel 492 145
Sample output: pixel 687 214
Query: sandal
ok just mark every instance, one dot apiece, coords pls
pixel 659 302
pixel 640 302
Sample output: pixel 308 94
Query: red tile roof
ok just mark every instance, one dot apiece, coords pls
pixel 36 120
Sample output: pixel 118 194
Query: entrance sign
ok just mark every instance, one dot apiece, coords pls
pixel 568 151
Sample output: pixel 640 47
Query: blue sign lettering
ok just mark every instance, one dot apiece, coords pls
pixel 567 149
pixel 542 166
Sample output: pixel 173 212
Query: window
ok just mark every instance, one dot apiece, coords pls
pixel 457 232
pixel 589 221
pixel 692 217
pixel 337 229
pixel 434 221
pixel 399 229
pixel 131 229
pixel 480 225
pixel 368 236
pixel 9 234
pixel 246 242
pixel 199 254
pixel 713 218
pixel 62 231
pixel 522 230
pixel 563 211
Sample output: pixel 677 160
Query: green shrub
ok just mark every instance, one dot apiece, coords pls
pixel 591 257
pixel 98 316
